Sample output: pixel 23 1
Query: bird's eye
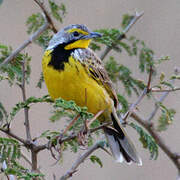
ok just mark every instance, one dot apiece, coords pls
pixel 75 33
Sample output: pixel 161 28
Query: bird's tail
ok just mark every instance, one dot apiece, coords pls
pixel 121 146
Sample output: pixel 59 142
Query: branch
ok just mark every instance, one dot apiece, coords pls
pixel 26 110
pixel 144 93
pixel 72 136
pixel 47 15
pixel 164 90
pixel 122 36
pixel 161 99
pixel 29 162
pixel 25 44
pixel 149 126
pixel 80 160
pixel 8 132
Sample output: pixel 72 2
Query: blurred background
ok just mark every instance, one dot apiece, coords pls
pixel 159 28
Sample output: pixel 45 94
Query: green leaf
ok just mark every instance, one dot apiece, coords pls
pixel 10 149
pixel 122 100
pixel 95 159
pixel 166 118
pixel 126 19
pixel 12 72
pixel 14 168
pixel 27 103
pixel 62 105
pixel 3 113
pixel 34 22
pixel 162 59
pixel 122 73
pixel 41 80
pixel 58 11
pixel 1 1
pixel 162 76
pixel 175 77
pixel 147 141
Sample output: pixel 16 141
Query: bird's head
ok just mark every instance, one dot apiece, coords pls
pixel 72 37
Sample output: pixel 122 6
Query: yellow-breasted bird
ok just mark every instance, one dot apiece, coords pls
pixel 72 71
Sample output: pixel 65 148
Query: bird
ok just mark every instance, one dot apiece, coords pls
pixel 72 71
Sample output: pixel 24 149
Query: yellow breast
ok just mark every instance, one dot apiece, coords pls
pixel 74 83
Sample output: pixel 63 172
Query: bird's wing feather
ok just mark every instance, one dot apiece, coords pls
pixel 96 70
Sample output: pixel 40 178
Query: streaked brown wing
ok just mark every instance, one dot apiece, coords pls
pixel 97 71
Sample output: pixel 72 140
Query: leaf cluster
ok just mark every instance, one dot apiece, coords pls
pixel 95 159
pixel 13 72
pixel 166 118
pixel 122 73
pixel 57 11
pixel 14 168
pixel 34 22
pixel 27 103
pixel 9 149
pixel 147 141
pixel 3 114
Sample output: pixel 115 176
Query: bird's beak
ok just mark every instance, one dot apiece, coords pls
pixel 92 35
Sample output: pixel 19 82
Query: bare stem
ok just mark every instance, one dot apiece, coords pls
pixel 10 133
pixel 34 161
pixel 164 90
pixel 29 162
pixel 26 111
pixel 122 36
pixel 80 160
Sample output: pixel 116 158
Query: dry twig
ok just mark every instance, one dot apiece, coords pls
pixel 80 160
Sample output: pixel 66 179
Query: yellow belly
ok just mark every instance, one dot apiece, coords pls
pixel 74 83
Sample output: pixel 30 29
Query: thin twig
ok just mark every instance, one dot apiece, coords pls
pixel 72 136
pixel 94 118
pixel 80 160
pixel 150 128
pixel 71 123
pixel 149 80
pixel 25 44
pixel 26 110
pixel 134 105
pixel 10 133
pixel 164 90
pixel 122 36
pixel 161 99
pixel 144 93
pixel 48 17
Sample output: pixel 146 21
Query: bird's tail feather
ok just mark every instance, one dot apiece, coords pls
pixel 121 146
